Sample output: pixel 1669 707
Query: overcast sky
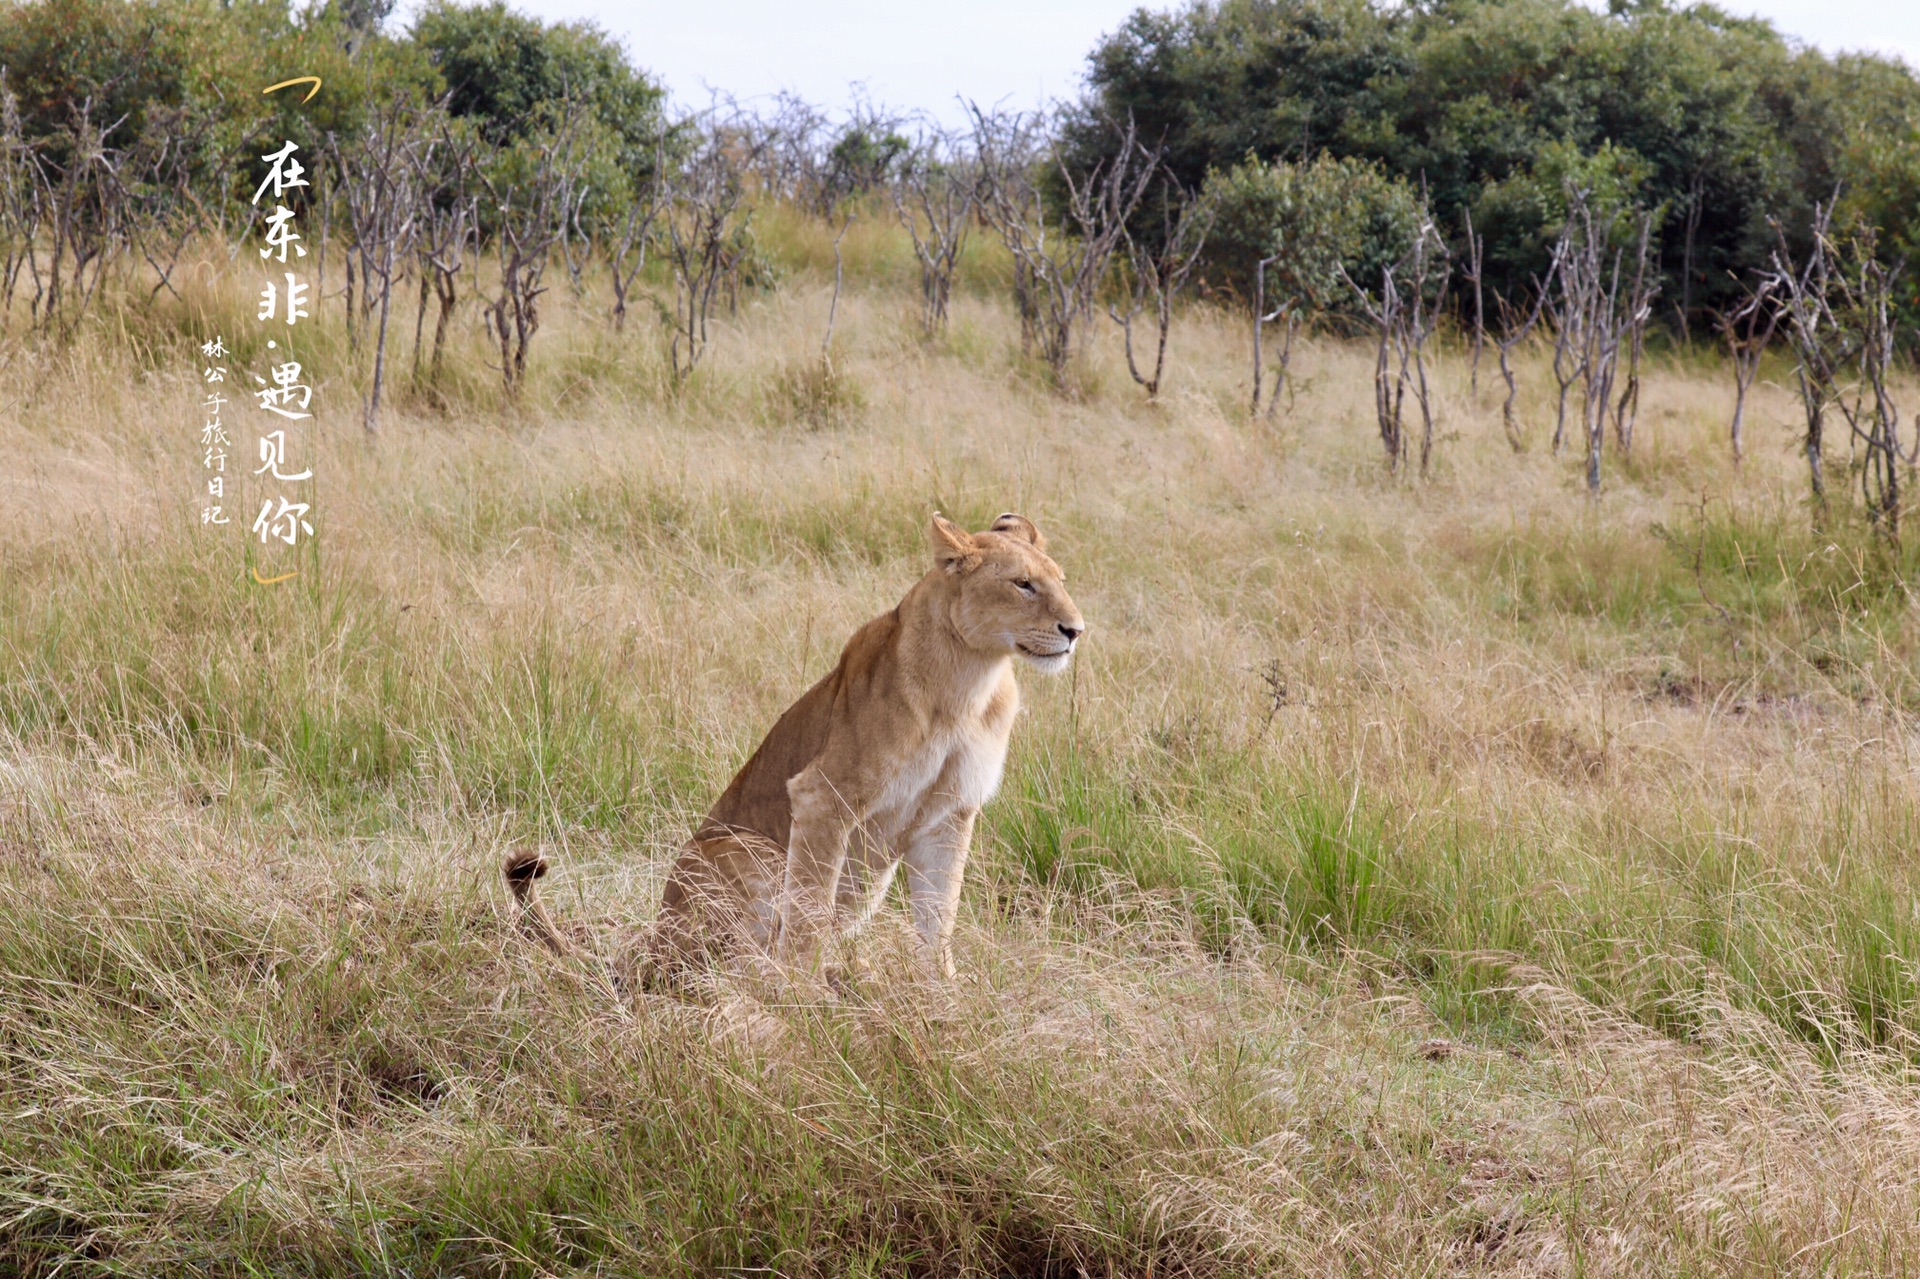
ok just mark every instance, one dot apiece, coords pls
pixel 917 55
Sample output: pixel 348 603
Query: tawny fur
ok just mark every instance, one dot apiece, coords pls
pixel 884 763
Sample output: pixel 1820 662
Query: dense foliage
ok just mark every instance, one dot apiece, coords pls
pixel 1715 123
pixel 512 73
pixel 1311 221
pixel 197 66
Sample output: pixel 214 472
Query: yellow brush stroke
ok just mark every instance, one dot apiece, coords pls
pixel 314 80
pixel 269 581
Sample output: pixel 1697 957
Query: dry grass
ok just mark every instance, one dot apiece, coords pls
pixel 1454 877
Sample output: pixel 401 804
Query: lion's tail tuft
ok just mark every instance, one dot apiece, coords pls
pixel 522 869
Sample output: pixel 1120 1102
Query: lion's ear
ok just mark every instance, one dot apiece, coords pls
pixel 953 547
pixel 1020 526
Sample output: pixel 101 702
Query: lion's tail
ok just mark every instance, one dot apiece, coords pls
pixel 522 869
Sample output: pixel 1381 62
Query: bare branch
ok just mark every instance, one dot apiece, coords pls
pixel 1060 262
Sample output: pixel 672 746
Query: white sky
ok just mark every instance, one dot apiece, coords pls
pixel 915 55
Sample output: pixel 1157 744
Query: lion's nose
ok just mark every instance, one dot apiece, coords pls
pixel 1072 632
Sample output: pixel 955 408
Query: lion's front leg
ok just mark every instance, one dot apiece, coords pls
pixel 936 860
pixel 824 817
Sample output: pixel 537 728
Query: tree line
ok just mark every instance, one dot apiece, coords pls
pixel 1527 170
pixel 1716 126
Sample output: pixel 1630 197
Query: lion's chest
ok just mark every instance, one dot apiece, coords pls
pixel 957 767
pixel 961 772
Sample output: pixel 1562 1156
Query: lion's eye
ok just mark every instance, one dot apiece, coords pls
pixel 1026 587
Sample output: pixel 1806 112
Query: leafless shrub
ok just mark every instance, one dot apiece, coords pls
pixel 1866 293
pixel 631 234
pixel 1601 306
pixel 447 233
pixel 159 175
pixel 1515 327
pixel 1157 272
pixel 817 392
pixel 1748 328
pixel 781 148
pixel 1567 314
pixel 934 196
pixel 703 220
pixel 83 216
pixel 1009 146
pixel 833 307
pixel 531 200
pixel 1288 309
pixel 1060 260
pixel 1838 311
pixel 1819 347
pixel 377 175
pixel 1637 309
pixel 78 203
pixel 796 151
pixel 1403 314
pixel 22 200
pixel 1471 271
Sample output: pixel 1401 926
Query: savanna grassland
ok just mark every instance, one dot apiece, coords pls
pixel 1437 877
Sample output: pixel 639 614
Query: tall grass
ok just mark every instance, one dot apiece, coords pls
pixel 1460 876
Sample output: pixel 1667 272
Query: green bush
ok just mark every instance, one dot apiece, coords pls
pixel 1318 216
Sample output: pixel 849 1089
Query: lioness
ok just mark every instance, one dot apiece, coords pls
pixel 884 762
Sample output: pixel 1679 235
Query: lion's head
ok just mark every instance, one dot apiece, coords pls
pixel 1007 596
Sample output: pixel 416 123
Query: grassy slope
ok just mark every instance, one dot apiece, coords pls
pixel 1614 800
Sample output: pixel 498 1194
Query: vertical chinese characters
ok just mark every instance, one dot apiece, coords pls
pixel 214 439
pixel 286 395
